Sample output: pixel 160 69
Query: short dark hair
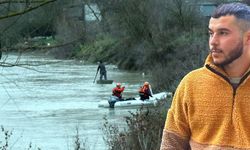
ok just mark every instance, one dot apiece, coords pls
pixel 239 10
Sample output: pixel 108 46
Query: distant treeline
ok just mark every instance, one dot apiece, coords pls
pixel 165 39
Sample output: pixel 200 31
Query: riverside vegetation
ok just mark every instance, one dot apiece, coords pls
pixel 143 132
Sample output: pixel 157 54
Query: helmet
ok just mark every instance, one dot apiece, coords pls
pixel 118 84
pixel 146 83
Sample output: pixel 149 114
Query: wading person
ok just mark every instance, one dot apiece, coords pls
pixel 211 106
pixel 103 73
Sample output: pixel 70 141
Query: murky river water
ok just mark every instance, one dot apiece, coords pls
pixel 45 104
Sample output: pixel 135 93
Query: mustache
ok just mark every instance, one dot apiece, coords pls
pixel 214 49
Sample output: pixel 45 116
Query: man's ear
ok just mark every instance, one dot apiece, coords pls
pixel 247 37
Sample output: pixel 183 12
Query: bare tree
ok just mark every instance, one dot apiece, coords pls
pixel 15 8
pixel 12 14
pixel 24 19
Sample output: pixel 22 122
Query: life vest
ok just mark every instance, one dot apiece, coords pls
pixel 144 91
pixel 117 92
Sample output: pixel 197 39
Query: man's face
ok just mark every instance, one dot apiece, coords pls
pixel 225 41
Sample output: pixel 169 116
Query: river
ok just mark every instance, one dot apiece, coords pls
pixel 44 104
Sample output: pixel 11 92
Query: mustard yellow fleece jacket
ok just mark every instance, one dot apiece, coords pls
pixel 208 113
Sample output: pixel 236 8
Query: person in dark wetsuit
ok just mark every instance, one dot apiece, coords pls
pixel 102 69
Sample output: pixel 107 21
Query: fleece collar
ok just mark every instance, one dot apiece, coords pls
pixel 209 62
pixel 218 70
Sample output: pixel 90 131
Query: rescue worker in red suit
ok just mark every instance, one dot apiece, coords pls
pixel 145 91
pixel 117 91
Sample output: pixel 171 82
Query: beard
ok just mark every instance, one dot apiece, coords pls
pixel 233 55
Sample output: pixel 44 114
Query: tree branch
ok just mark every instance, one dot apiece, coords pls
pixel 20 1
pixel 92 11
pixel 26 10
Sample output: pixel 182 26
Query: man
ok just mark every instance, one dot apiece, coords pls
pixel 103 72
pixel 117 91
pixel 211 106
pixel 145 91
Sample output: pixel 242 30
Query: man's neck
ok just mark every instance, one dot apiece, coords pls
pixel 236 72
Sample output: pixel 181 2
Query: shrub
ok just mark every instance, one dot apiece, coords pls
pixel 143 132
pixel 4 138
pixel 79 144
